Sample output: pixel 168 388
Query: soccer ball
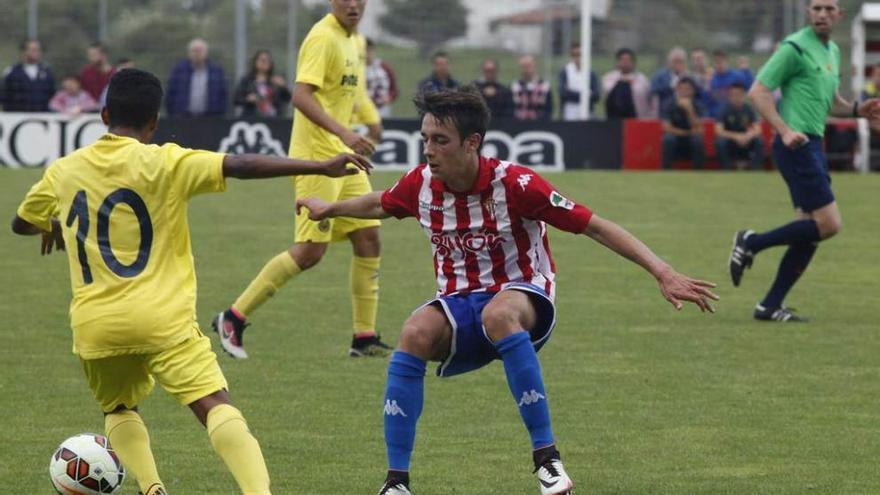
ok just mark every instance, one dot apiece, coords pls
pixel 85 464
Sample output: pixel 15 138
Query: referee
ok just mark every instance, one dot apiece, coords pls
pixel 807 69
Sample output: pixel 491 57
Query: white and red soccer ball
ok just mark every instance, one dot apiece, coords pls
pixel 85 464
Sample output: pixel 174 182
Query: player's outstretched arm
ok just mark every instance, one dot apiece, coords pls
pixel 366 206
pixel 304 100
pixel 51 240
pixel 252 166
pixel 674 286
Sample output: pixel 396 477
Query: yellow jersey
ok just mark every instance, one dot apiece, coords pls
pixel 329 60
pixel 123 209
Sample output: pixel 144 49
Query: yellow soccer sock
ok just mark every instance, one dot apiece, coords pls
pixel 364 293
pixel 274 274
pixel 239 449
pixel 129 438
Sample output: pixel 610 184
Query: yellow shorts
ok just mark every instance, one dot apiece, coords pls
pixel 188 371
pixel 330 189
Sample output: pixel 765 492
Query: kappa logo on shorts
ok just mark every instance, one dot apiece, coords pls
pixel 245 137
pixel 324 225
pixel 530 397
pixel 392 409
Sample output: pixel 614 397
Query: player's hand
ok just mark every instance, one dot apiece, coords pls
pixel 318 208
pixel 793 139
pixel 870 109
pixel 359 144
pixel 338 165
pixel 52 240
pixel 677 288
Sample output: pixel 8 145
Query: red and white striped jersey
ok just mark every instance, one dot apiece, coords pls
pixel 494 234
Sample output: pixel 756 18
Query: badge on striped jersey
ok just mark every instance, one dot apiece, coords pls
pixel 560 201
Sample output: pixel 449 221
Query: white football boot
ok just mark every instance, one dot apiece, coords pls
pixel 553 478
pixel 396 489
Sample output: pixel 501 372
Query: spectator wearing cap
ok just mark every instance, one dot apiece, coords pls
pixel 96 74
pixel 197 86
pixel 571 85
pixel 497 95
pixel 440 77
pixel 72 99
pixel 724 78
pixel 738 132
pixel 682 125
pixel 627 92
pixel 28 85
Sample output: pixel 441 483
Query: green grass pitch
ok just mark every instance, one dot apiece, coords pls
pixel 644 399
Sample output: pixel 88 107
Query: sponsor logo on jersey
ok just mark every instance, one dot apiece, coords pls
pixel 530 397
pixel 431 207
pixel 349 80
pixel 560 201
pixel 472 242
pixel 392 409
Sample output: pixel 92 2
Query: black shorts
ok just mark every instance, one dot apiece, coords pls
pixel 805 171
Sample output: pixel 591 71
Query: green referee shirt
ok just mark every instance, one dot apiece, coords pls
pixel 808 71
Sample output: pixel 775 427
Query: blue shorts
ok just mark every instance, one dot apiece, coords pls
pixel 471 348
pixel 805 170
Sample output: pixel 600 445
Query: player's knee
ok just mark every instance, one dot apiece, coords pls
pixel 418 339
pixel 307 255
pixel 366 243
pixel 830 228
pixel 500 321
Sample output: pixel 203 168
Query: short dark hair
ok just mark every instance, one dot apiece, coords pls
pixel 439 54
pixel 100 46
pixel 133 98
pixel 738 85
pixel 464 107
pixel 625 51
pixel 688 80
pixel 719 53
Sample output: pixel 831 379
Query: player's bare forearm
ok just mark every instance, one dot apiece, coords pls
pixel 368 206
pixel 675 287
pixel 374 131
pixel 52 240
pixel 304 100
pixel 253 166
pixel 762 99
pixel 617 239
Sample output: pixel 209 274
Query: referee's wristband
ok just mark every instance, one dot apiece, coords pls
pixel 855 112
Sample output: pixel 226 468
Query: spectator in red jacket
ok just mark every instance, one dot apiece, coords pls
pixel 95 75
pixel 381 82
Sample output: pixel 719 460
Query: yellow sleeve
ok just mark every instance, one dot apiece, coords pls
pixel 40 204
pixel 314 59
pixel 365 111
pixel 195 171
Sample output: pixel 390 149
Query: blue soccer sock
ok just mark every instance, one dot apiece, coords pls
pixel 795 261
pixel 404 396
pixel 524 378
pixel 797 232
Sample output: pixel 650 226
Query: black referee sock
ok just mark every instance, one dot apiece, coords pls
pixel 792 266
pixel 798 232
